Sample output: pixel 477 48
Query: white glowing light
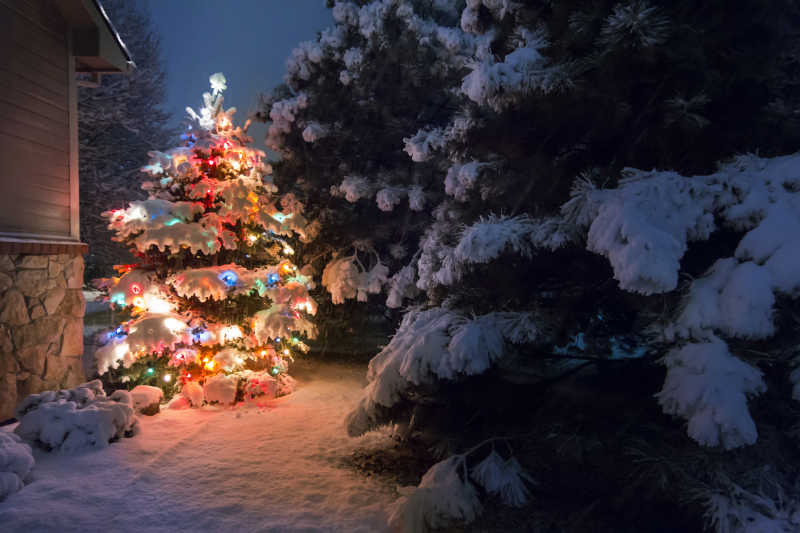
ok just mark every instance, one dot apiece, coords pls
pixel 167 377
pixel 136 213
pixel 230 333
pixel 154 304
pixel 174 325
pixel 120 350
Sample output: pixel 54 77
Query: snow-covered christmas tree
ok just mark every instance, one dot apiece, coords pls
pixel 215 306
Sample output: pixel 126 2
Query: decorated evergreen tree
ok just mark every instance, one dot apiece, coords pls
pixel 215 307
pixel 623 329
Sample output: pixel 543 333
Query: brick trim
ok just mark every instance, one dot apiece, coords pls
pixel 33 247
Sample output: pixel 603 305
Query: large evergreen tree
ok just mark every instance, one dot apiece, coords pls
pixel 480 158
pixel 120 121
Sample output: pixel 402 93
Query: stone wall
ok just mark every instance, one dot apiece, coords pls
pixel 41 325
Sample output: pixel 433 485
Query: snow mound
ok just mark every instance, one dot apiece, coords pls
pixel 145 395
pixel 77 419
pixel 277 469
pixel 221 389
pixel 193 392
pixel 259 387
pixel 16 462
pixel 81 395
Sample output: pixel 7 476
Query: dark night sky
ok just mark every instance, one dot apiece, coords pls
pixel 247 40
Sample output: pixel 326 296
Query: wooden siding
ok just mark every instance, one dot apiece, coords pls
pixel 36 122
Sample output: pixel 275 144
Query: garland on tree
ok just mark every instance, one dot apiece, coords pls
pixel 215 308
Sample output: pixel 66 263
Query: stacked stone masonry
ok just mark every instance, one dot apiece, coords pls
pixel 41 325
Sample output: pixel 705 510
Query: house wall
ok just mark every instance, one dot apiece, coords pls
pixel 38 177
pixel 41 270
pixel 41 325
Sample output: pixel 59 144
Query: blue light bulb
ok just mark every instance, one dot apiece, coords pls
pixel 229 277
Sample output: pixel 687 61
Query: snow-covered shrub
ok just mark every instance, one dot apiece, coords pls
pixel 221 389
pixel 76 419
pixel 145 397
pixel 259 386
pixel 16 462
pixel 193 392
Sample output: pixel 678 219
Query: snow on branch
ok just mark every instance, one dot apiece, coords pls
pixel 280 320
pixel 422 145
pixel 401 286
pixel 282 114
pixel 634 25
pixel 214 283
pixel 314 131
pixel 490 236
pixel 733 298
pixel 504 478
pixel 151 332
pixel 643 226
pixel 431 345
pixel 525 70
pixel 733 509
pixel 709 387
pixel 442 498
pixel 346 278
pixel 448 492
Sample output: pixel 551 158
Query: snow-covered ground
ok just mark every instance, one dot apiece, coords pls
pixel 209 469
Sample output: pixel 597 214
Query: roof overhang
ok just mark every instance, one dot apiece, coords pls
pixel 96 45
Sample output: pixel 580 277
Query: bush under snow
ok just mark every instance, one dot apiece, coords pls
pixel 76 419
pixel 16 462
